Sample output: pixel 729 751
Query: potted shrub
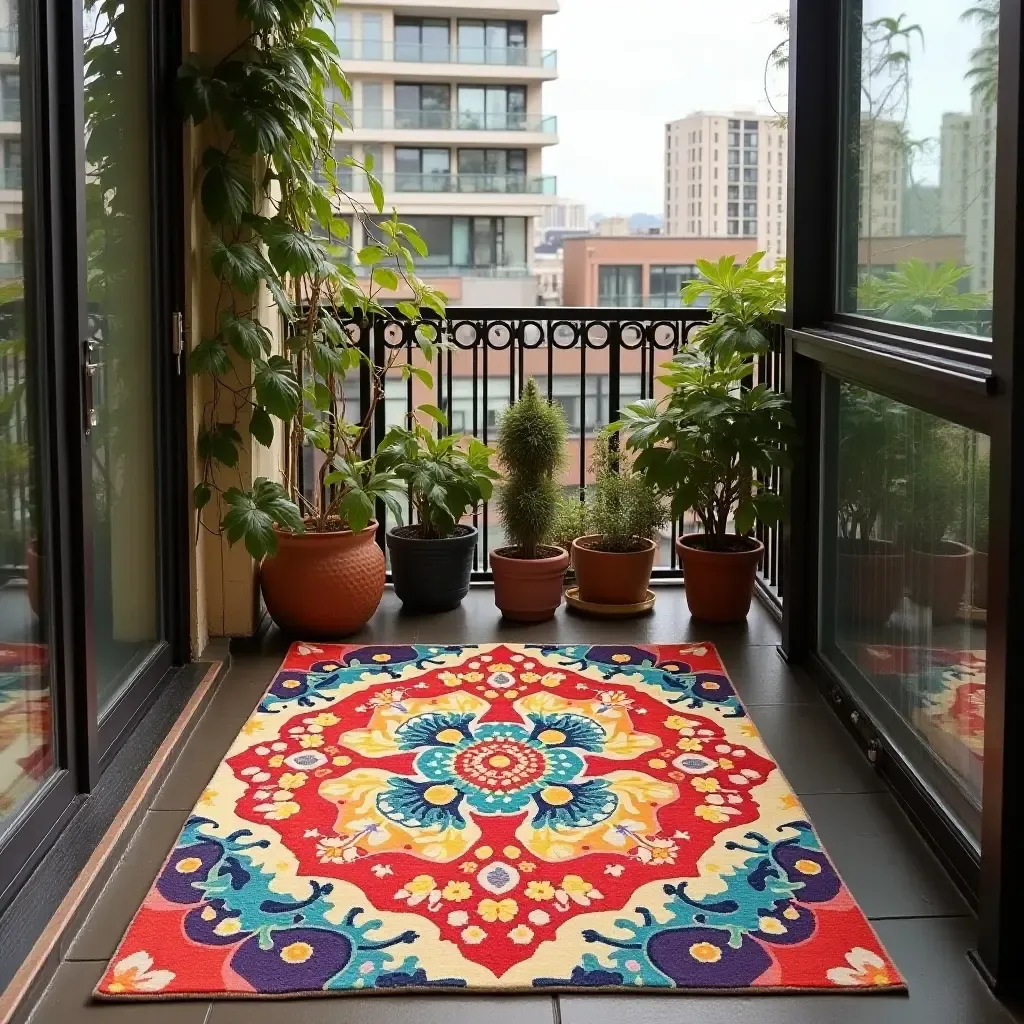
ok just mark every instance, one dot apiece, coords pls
pixel 572 520
pixel 712 441
pixel 870 571
pixel 614 563
pixel 268 190
pixel 531 449
pixel 447 477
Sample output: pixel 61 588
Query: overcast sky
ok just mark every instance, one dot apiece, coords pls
pixel 628 66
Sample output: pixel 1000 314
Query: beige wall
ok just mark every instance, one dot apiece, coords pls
pixel 931 249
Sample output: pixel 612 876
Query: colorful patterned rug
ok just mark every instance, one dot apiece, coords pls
pixel 497 817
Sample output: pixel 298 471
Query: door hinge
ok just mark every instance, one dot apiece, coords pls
pixel 178 337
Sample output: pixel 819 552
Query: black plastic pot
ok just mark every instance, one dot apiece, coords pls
pixel 431 575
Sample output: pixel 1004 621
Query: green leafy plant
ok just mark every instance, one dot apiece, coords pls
pixel 268 188
pixel 571 520
pixel 713 442
pixel 936 483
pixel 625 511
pixel 447 477
pixel 915 291
pixel 531 450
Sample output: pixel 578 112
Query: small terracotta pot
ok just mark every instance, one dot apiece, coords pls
pixel 719 584
pixel 612 577
pixel 528 589
pixel 871 580
pixel 938 578
pixel 324 584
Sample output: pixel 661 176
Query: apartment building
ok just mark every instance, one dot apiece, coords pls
pixel 10 149
pixel 725 177
pixel 447 100
pixel 883 178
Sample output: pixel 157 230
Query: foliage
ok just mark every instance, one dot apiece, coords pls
pixel 936 482
pixel 447 477
pixel 714 441
pixel 268 188
pixel 915 291
pixel 531 449
pixel 625 511
pixel 572 520
pixel 983 74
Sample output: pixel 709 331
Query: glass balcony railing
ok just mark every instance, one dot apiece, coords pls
pixel 435 53
pixel 10 178
pixel 454 120
pixel 10 109
pixel 506 184
pixel 9 39
pixel 428 269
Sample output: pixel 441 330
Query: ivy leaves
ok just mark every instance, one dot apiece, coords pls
pixel 277 387
pixel 253 514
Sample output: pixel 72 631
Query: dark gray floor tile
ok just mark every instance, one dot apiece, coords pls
pixel 762 677
pixel 813 750
pixel 386 1009
pixel 68 1000
pixel 883 859
pixel 130 881
pixel 931 953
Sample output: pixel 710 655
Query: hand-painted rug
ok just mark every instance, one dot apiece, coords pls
pixel 497 817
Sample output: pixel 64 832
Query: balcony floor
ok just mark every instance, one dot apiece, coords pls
pixel 921 917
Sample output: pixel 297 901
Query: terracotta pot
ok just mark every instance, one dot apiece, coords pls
pixel 612 577
pixel 938 578
pixel 980 588
pixel 719 584
pixel 871 578
pixel 324 584
pixel 528 589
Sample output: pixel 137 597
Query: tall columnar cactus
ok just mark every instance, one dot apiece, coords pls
pixel 531 450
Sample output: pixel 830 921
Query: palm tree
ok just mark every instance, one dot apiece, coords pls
pixel 984 71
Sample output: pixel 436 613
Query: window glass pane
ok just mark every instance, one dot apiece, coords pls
pixel 619 285
pixel 407 39
pixel 471 161
pixel 460 242
pixel 904 606
pixel 484 242
pixel 435 40
pixel 919 178
pixel 343 34
pixel 471 42
pixel 515 241
pixel 373 36
pixel 472 107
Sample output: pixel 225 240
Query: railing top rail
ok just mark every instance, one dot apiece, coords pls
pixel 591 314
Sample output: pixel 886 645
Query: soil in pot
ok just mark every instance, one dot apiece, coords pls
pixel 528 589
pixel 938 578
pixel 719 582
pixel 324 585
pixel 431 574
pixel 612 577
pixel 871 579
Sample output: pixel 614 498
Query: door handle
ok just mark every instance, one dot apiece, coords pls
pixel 90 367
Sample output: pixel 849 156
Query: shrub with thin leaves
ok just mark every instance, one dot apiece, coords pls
pixel 625 511
pixel 572 520
pixel 531 449
pixel 270 193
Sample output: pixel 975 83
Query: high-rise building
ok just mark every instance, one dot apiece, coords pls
pixel 883 172
pixel 448 104
pixel 564 214
pixel 11 201
pixel 725 177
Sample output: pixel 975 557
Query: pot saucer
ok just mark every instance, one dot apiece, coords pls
pixel 608 611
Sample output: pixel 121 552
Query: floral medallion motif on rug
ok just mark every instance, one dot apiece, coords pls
pixel 497 817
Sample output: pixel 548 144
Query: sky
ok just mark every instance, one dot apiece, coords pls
pixel 626 68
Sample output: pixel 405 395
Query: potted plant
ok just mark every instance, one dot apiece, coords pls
pixel 870 570
pixel 572 520
pixel 614 562
pixel 531 449
pixel 447 477
pixel 713 441
pixel 268 190
pixel 940 566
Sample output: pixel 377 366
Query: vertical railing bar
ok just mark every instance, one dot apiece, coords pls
pixel 476 433
pixel 481 340
pixel 380 360
pixel 583 407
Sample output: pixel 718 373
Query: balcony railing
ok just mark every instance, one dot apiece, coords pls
pixel 454 120
pixel 434 53
pixel 505 184
pixel 429 270
pixel 593 362
pixel 10 109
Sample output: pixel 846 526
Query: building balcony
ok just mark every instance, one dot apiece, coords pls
pixel 501 184
pixel 10 179
pixel 453 127
pixel 506 8
pixel 8 41
pixel 367 56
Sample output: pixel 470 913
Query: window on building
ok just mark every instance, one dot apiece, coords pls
pixel 492 170
pixel 749 158
pixel 372 45
pixel 750 209
pixel 666 282
pixel 620 285
pixel 492 107
pixel 734 157
pixel 750 126
pixel 750 174
pixel 734 125
pixel 750 139
pixel 422 39
pixel 492 42
pixel 750 227
pixel 734 227
pixel 734 174
pixel 422 106
pixel 422 170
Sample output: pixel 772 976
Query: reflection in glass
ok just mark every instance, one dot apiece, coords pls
pixel 920 165
pixel 26 738
pixel 906 582
pixel 116 170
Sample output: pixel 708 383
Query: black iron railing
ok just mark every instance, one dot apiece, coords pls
pixel 593 362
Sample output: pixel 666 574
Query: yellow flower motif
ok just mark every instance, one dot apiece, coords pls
pixel 615 699
pixel 502 667
pixel 473 677
pixel 456 892
pixel 551 678
pixel 491 694
pixel 529 677
pixel 706 952
pixel 473 935
pixel 576 886
pixel 512 852
pixel 229 926
pixel 527 866
pixel 677 722
pixel 709 813
pixel 807 867
pixel 620 659
pixel 187 865
pixel 725 763
pixel 689 745
pixel 253 725
pixel 483 852
pixel 771 926
pixel 296 952
pixel 511 694
pixel 341 760
pixel 656 762
pixel 282 810
pixel 748 729
pixel 208 797
pixel 380 658
pixel 498 910
pixel 706 785
pixel 540 891
pixel 449 679
pixel 468 866
pixel 521 935
pixel 292 780
pixel 789 801
pixel 311 741
pixel 276 761
pixel 326 718
pixel 421 885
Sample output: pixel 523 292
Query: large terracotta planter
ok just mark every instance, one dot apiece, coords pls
pixel 719 584
pixel 528 589
pixel 938 578
pixel 871 577
pixel 612 577
pixel 324 584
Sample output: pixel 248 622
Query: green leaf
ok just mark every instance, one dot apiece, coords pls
pixel 261 426
pixel 409 310
pixel 434 413
pixel 241 264
pixel 247 336
pixel 413 237
pixel 322 396
pixel 194 95
pixel 219 443
pixel 422 374
pixel 276 387
pixel 264 14
pixel 209 356
pixel 226 193
pixel 376 192
pixel 253 514
pixel 201 495
pixel 385 278
pixel 371 254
